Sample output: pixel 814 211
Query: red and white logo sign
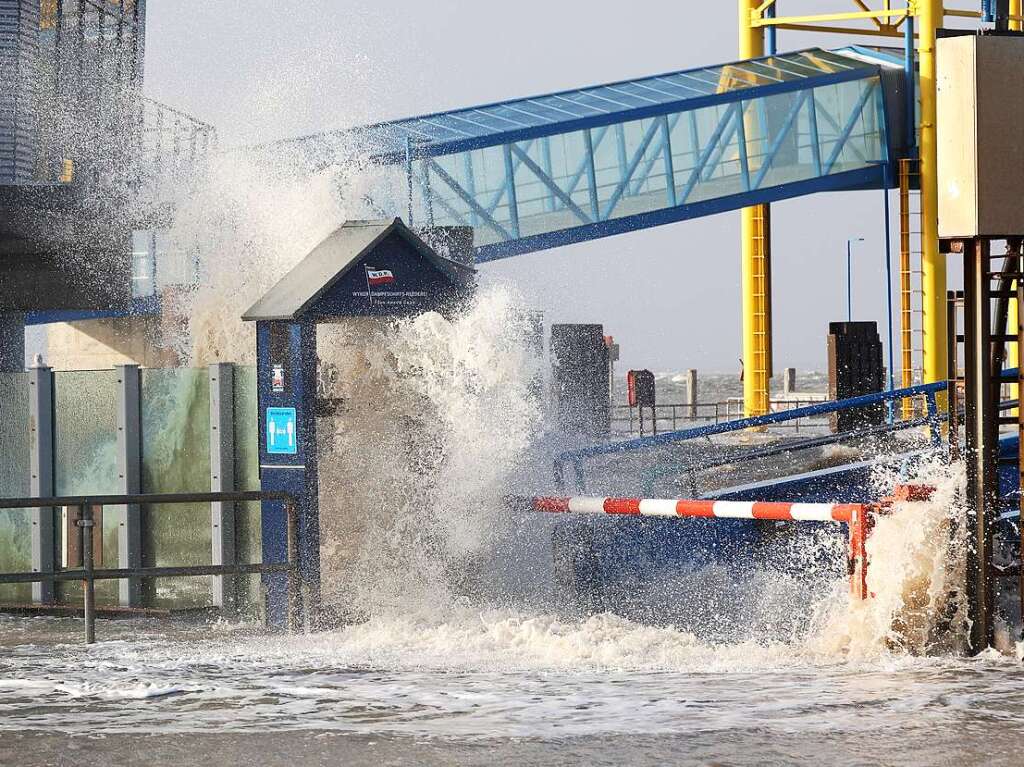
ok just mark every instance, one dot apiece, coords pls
pixel 378 276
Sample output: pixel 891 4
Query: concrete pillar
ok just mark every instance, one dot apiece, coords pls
pixel 691 392
pixel 12 342
pixel 129 474
pixel 789 381
pixel 222 479
pixel 40 426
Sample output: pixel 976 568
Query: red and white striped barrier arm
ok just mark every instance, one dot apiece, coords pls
pixel 653 507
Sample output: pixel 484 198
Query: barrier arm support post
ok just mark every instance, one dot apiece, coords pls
pixel 859 528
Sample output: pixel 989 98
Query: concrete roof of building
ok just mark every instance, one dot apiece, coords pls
pixel 329 261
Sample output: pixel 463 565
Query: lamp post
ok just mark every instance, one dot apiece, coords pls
pixel 849 276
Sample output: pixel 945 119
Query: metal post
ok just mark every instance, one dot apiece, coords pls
pixel 41 484
pixel 858 559
pixel 910 81
pixel 129 476
pixel 982 438
pixel 222 479
pixel 952 302
pixel 789 381
pixel 85 521
pixel 849 281
pixel 691 392
pixel 849 276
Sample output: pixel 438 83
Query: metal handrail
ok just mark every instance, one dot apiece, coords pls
pixel 576 457
pixel 716 412
pixel 88 573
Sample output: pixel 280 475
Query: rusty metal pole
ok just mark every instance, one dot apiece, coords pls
pixel 858 554
pixel 85 522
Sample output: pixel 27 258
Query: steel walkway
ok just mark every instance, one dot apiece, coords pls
pixel 550 170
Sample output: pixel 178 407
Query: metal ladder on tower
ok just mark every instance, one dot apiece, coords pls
pixel 911 308
pixel 762 371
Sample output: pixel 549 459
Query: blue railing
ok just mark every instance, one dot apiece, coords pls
pixel 933 420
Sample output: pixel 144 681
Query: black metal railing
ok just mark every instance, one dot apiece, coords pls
pixel 88 573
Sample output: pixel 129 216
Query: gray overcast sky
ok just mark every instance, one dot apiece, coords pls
pixel 261 70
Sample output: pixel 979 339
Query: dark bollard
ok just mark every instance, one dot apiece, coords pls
pixel 85 522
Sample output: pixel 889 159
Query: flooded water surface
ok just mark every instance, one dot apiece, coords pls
pixel 486 688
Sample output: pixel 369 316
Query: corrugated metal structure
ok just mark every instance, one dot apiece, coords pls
pixel 19 47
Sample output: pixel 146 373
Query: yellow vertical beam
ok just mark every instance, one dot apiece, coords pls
pixel 755 234
pixel 933 264
pixel 1016 8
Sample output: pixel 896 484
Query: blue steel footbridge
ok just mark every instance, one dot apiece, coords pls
pixel 545 171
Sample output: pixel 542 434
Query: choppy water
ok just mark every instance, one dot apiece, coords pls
pixel 489 688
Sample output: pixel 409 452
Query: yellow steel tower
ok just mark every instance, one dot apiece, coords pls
pixel 756 265
pixel 754 17
pixel 933 264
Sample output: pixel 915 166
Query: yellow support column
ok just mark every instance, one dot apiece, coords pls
pixel 933 264
pixel 1012 350
pixel 755 233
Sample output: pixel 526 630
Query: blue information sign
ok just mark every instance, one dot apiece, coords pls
pixel 282 431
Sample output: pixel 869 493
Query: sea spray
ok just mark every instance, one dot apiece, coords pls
pixel 915 576
pixel 246 219
pixel 439 415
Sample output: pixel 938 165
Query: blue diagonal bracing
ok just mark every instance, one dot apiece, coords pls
pixel 549 170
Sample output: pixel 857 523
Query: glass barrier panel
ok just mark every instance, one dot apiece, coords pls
pixel 176 459
pixel 16 524
pixel 85 461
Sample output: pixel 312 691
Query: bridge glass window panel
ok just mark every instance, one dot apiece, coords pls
pixel 849 124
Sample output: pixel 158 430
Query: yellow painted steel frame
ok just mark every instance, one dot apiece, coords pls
pixel 755 233
pixel 756 246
